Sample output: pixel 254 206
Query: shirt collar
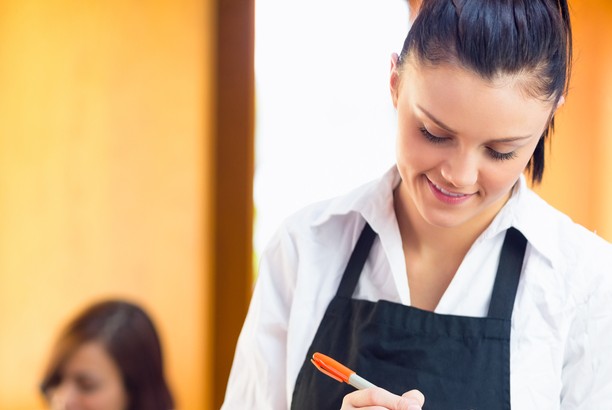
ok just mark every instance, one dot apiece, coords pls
pixel 524 211
pixel 374 200
pixel 528 213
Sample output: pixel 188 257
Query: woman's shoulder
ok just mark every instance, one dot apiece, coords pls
pixel 574 249
pixel 311 246
pixel 560 227
pixel 368 201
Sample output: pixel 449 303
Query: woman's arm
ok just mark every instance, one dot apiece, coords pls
pixel 258 375
pixel 587 369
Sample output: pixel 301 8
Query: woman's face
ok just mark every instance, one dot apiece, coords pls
pixel 462 141
pixel 90 380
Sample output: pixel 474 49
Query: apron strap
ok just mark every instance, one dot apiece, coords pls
pixel 351 274
pixel 506 280
pixel 508 275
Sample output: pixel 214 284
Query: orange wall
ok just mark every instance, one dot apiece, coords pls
pixel 104 179
pixel 578 176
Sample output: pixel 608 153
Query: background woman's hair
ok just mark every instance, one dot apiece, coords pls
pixel 129 336
pixel 529 39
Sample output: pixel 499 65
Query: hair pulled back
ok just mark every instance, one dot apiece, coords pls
pixel 528 39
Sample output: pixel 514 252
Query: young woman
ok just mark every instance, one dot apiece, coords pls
pixel 108 358
pixel 448 275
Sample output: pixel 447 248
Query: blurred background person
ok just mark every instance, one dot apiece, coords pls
pixel 108 358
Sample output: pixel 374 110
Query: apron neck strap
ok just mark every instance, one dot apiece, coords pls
pixel 508 275
pixel 356 262
pixel 506 280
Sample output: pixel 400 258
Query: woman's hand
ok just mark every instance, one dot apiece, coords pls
pixel 377 398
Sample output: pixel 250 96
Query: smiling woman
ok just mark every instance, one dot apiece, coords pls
pixel 458 166
pixel 447 274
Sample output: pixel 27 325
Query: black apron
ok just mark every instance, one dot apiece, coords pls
pixel 459 363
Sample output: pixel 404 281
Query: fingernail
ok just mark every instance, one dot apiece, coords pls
pixel 413 404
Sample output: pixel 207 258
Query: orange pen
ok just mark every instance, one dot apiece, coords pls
pixel 339 372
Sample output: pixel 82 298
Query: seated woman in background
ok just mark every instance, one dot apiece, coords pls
pixel 108 358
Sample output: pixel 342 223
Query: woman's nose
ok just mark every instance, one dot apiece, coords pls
pixel 460 170
pixel 63 398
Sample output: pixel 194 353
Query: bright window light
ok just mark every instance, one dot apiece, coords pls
pixel 325 123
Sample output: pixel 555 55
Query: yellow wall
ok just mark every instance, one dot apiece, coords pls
pixel 104 178
pixel 578 175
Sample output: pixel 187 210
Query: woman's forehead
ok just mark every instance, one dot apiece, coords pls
pixel 467 102
pixel 530 81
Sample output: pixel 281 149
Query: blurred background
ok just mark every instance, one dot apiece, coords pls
pixel 148 151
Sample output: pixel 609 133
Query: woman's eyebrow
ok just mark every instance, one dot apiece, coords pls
pixel 450 130
pixel 511 139
pixel 437 121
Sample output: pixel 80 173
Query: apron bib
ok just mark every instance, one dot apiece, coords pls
pixel 459 363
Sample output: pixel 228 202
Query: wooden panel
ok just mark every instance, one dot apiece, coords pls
pixel 104 178
pixel 233 174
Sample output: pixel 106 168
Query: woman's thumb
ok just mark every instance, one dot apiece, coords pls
pixel 412 400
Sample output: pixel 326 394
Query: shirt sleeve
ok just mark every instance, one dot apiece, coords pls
pixel 587 370
pixel 258 376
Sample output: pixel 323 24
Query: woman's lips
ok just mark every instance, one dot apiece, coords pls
pixel 448 197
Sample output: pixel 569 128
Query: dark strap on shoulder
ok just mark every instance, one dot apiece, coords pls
pixel 506 280
pixel 351 274
pixel 508 275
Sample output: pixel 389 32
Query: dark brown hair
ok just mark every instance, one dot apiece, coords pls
pixel 129 336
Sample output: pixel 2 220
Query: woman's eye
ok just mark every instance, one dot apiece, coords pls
pixel 501 156
pixel 87 387
pixel 496 155
pixel 430 137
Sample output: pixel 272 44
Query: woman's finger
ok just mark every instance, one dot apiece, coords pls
pixel 375 396
pixel 412 400
pixel 415 395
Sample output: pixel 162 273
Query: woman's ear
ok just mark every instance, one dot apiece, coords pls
pixel 394 79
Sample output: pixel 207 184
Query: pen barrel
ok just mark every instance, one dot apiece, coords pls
pixel 359 382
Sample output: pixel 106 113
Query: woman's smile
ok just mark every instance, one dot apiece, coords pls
pixel 448 197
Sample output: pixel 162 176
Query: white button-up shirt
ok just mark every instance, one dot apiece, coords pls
pixel 561 339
